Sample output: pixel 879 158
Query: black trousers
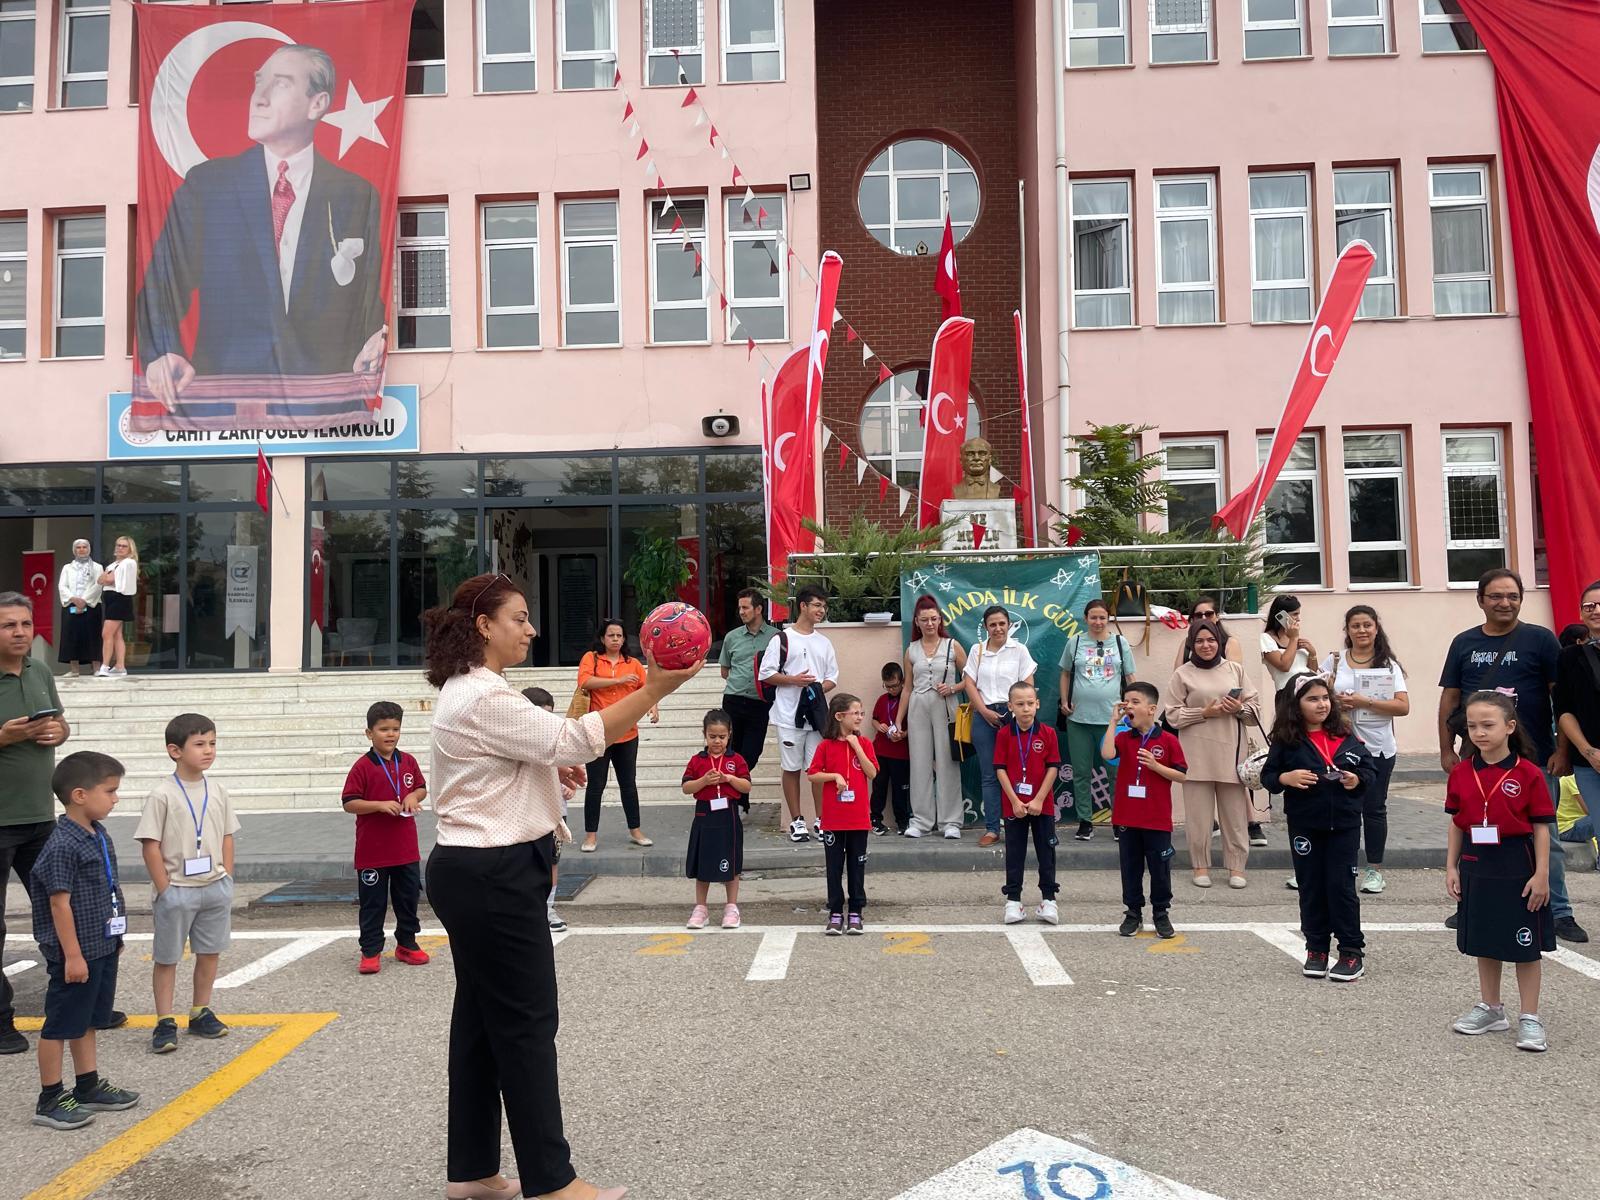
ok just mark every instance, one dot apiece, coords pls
pixel 892 788
pixel 1325 869
pixel 503 1024
pixel 750 719
pixel 1375 809
pixel 1142 850
pixel 846 854
pixel 19 850
pixel 1043 829
pixel 624 756
pixel 377 888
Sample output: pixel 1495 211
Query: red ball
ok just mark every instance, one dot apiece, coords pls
pixel 677 634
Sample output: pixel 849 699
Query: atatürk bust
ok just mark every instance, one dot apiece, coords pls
pixel 976 458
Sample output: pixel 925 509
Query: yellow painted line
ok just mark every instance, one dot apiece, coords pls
pixel 88 1175
pixel 433 942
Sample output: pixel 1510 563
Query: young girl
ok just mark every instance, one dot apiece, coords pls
pixel 1498 866
pixel 720 784
pixel 845 766
pixel 1322 769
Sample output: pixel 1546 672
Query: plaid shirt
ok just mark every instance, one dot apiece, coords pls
pixel 72 861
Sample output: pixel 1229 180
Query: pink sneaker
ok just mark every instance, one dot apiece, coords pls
pixel 730 917
pixel 698 917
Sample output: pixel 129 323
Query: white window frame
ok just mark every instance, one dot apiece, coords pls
pixel 31 16
pixel 412 244
pixel 1392 279
pixel 1381 20
pixel 1094 33
pixel 605 55
pixel 776 46
pixel 486 248
pixel 8 257
pixel 735 232
pixel 1496 471
pixel 1209 212
pixel 57 321
pixel 68 17
pixel 431 62
pixel 667 52
pixel 1304 283
pixel 1158 30
pixel 1216 476
pixel 487 57
pixel 667 238
pixel 951 161
pixel 1481 201
pixel 570 241
pixel 1298 24
pixel 1289 474
pixel 1127 250
pixel 1402 475
pixel 1427 18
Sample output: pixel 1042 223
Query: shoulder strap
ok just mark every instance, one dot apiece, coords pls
pixel 1072 671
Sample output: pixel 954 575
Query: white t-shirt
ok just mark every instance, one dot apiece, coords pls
pixel 124 576
pixel 994 671
pixel 1300 665
pixel 1376 730
pixel 809 653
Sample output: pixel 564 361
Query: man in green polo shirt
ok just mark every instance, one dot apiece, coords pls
pixel 27 759
pixel 742 648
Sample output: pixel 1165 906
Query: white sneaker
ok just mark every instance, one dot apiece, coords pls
pixel 120 671
pixel 952 833
pixel 1014 914
pixel 913 831
pixel 1372 881
pixel 103 673
pixel 1292 884
pixel 797 830
pixel 1047 913
pixel 816 828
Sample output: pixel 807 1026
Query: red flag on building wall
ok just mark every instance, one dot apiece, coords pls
pixel 1022 492
pixel 828 272
pixel 318 569
pixel 263 481
pixel 1328 330
pixel 39 585
pixel 949 376
pixel 786 467
pixel 946 281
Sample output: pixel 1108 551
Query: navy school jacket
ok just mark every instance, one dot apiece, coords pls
pixel 1327 804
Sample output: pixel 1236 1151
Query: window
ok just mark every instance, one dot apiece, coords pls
pixel 1375 482
pixel 1358 27
pixel 1445 28
pixel 13 286
pixel 892 426
pixel 677 279
pixel 1273 29
pixel 1102 294
pixel 1097 33
pixel 1294 513
pixel 1363 208
pixel 1280 247
pixel 85 49
pixel 16 55
pixel 425 70
pixel 589 283
pixel 904 192
pixel 423 286
pixel 1186 250
pixel 506 46
pixel 752 40
pixel 511 275
pixel 80 286
pixel 674 42
pixel 1193 468
pixel 1180 31
pixel 1474 504
pixel 758 285
pixel 587 30
pixel 1541 547
pixel 1463 268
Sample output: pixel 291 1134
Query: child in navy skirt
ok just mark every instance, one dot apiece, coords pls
pixel 719 781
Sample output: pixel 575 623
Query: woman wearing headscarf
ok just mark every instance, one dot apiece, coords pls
pixel 79 587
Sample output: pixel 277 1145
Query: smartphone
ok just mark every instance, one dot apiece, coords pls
pixel 43 713
pixel 1235 693
pixel 1283 620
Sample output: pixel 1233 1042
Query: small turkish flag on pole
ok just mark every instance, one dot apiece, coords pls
pixel 946 281
pixel 263 481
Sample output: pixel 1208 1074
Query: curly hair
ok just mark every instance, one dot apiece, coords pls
pixel 453 644
pixel 1289 724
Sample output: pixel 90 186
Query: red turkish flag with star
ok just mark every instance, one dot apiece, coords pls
pixel 269 156
pixel 949 379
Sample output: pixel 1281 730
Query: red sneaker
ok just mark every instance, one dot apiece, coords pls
pixel 371 964
pixel 407 955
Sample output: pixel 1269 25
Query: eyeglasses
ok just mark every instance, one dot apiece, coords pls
pixel 1205 616
pixel 489 587
pixel 1504 597
pixel 1589 606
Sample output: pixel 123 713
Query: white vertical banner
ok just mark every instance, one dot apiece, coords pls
pixel 240 614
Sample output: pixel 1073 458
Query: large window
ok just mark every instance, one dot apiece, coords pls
pixel 1186 250
pixel 752 40
pixel 1474 503
pixel 1375 483
pixel 423 285
pixel 80 286
pixel 85 51
pixel 1274 29
pixel 16 55
pixel 1097 33
pixel 1294 512
pixel 1363 208
pixel 1463 256
pixel 674 42
pixel 905 190
pixel 587 30
pixel 892 426
pixel 1194 469
pixel 1445 28
pixel 511 275
pixel 1180 31
pixel 425 65
pixel 590 310
pixel 507 43
pixel 1358 27
pixel 758 284
pixel 1280 246
pixel 1102 290
pixel 677 274
pixel 13 286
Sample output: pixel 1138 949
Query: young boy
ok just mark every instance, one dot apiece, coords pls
pixel 79 917
pixel 893 783
pixel 1027 759
pixel 186 836
pixel 1150 761
pixel 384 791
pixel 543 699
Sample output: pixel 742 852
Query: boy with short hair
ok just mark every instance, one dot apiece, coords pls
pixel 1027 758
pixel 186 836
pixel 1149 761
pixel 893 784
pixel 543 699
pixel 384 791
pixel 79 918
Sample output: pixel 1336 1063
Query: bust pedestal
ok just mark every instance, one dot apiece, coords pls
pixel 997 517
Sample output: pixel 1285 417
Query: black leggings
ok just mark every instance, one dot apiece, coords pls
pixel 624 756
pixel 1375 810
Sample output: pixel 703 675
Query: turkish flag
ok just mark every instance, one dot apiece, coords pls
pixel 787 470
pixel 946 281
pixel 318 572
pixel 1022 490
pixel 949 374
pixel 1544 54
pixel 828 272
pixel 263 482
pixel 1328 331
pixel 38 585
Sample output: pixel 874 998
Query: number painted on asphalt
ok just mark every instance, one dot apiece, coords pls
pixel 667 943
pixel 1177 944
pixel 1079 1174
pixel 907 943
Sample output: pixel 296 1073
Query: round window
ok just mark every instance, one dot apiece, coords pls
pixel 891 426
pixel 907 190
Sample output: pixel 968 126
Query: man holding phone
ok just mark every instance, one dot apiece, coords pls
pixel 31 727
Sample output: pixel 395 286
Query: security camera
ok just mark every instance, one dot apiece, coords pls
pixel 720 425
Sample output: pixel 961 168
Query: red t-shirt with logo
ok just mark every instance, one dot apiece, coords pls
pixel 1154 809
pixel 890 710
pixel 835 757
pixel 1514 792
pixel 1025 756
pixel 730 764
pixel 382 840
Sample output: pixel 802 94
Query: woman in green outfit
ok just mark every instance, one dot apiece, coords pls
pixel 1096 665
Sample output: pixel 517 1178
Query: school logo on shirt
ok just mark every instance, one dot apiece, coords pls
pixel 1524 936
pixel 1302 845
pixel 1158 751
pixel 410 780
pixel 1038 744
pixel 369 877
pixel 1512 788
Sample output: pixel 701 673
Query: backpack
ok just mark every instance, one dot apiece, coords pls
pixel 811 707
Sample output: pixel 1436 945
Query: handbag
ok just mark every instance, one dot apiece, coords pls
pixel 1456 722
pixel 1131 600
pixel 1252 758
pixel 579 704
pixel 961 726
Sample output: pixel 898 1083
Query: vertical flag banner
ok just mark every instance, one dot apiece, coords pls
pixel 39 585
pixel 791 483
pixel 1022 490
pixel 946 280
pixel 239 606
pixel 269 154
pixel 828 272
pixel 949 374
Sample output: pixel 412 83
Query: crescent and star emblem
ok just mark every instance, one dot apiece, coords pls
pixel 933 413
pixel 777 451
pixel 1311 356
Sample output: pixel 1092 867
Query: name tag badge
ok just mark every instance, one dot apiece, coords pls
pixel 1024 789
pixel 1486 835
pixel 718 803
pixel 200 865
pixel 116 926
pixel 1136 791
pixel 847 796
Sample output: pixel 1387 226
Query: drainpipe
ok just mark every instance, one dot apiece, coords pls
pixel 1058 36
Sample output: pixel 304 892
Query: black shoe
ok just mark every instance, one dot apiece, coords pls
pixel 1450 921
pixel 1568 930
pixel 1085 831
pixel 880 829
pixel 1131 924
pixel 1348 969
pixel 12 1042
pixel 1116 833
pixel 1164 927
pixel 117 1021
pixel 106 1097
pixel 207 1025
pixel 1316 965
pixel 165 1038
pixel 63 1112
pixel 1257 837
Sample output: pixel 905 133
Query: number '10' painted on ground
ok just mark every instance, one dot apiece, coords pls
pixel 1052 1176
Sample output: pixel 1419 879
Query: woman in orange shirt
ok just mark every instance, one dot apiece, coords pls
pixel 608 673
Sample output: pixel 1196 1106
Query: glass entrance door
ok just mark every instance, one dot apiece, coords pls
pixel 560 558
pixel 152 635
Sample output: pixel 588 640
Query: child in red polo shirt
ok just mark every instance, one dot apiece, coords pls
pixel 892 787
pixel 1149 761
pixel 845 766
pixel 1027 759
pixel 385 790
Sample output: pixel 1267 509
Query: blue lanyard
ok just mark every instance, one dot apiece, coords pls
pixel 394 779
pixel 111 879
pixel 205 803
pixel 1144 740
pixel 1022 750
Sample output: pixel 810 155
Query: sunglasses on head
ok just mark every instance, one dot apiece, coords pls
pixel 489 587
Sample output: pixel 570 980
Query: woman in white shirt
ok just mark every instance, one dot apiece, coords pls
pixel 993 665
pixel 1285 653
pixel 120 582
pixel 79 587
pixel 499 765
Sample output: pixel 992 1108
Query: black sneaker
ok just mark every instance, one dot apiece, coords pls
pixel 1450 921
pixel 1568 930
pixel 1164 927
pixel 1316 965
pixel 63 1112
pixel 117 1021
pixel 855 928
pixel 1131 923
pixel 1257 837
pixel 165 1038
pixel 11 1042
pixel 880 829
pixel 1116 833
pixel 1085 831
pixel 106 1097
pixel 1348 969
pixel 206 1025
pixel 835 925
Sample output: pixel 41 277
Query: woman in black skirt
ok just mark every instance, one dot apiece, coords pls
pixel 1498 869
pixel 719 781
pixel 79 587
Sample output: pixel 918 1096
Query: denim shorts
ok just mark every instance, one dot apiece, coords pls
pixel 70 1009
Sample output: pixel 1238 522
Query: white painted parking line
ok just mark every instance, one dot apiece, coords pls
pixel 1581 963
pixel 772 956
pixel 281 957
pixel 21 965
pixel 1038 960
pixel 558 936
pixel 1284 938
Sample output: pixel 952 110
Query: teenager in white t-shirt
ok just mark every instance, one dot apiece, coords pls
pixel 798 658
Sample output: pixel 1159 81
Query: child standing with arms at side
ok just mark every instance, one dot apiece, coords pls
pixel 543 699
pixel 719 781
pixel 844 767
pixel 1027 759
pixel 1498 866
pixel 892 787
pixel 1149 761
